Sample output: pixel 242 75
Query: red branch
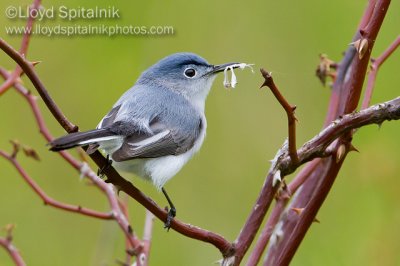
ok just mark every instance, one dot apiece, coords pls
pixel 376 63
pixel 12 251
pixel 116 213
pixel 345 98
pixel 276 213
pixel 23 50
pixel 48 200
pixel 74 163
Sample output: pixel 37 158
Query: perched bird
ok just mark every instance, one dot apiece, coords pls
pixel 157 125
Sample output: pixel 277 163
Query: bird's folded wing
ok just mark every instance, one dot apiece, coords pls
pixel 150 139
pixel 164 143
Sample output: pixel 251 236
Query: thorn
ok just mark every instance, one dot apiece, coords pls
pixel 341 151
pixel 9 228
pixel 267 76
pixel 361 46
pixel 352 148
pixel 298 211
pixel 34 63
pixel 355 44
pixel 263 85
pixel 316 220
pixel 16 147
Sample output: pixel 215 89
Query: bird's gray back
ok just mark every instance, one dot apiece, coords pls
pixel 168 107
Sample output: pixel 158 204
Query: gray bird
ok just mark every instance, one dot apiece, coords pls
pixel 158 125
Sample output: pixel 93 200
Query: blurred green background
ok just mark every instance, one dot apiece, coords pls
pixel 216 190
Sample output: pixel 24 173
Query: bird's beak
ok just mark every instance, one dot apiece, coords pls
pixel 219 68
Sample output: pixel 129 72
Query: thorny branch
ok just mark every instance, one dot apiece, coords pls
pixel 376 63
pixel 344 99
pixel 333 142
pixel 32 101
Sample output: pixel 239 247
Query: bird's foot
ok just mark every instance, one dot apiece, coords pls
pixel 170 216
pixel 101 171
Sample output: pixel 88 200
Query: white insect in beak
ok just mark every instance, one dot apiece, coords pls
pixel 232 83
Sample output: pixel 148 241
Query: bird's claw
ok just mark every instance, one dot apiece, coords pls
pixel 101 171
pixel 170 216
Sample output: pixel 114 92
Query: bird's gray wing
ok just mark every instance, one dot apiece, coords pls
pixel 167 126
pixel 165 141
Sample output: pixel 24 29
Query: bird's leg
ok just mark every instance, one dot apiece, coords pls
pixel 171 211
pixel 100 171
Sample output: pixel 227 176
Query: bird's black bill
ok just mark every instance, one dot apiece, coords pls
pixel 220 68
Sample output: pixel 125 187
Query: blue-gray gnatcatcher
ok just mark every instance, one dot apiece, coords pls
pixel 158 124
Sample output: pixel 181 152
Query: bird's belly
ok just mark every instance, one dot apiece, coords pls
pixel 157 170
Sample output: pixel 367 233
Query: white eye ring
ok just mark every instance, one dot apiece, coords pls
pixel 190 72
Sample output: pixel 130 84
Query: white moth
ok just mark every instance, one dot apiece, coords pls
pixel 232 83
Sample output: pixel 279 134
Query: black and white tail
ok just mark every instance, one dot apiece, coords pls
pixel 81 138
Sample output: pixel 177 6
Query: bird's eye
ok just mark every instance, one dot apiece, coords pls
pixel 190 72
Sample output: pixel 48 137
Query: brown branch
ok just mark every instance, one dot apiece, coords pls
pixel 289 109
pixel 376 63
pixel 113 176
